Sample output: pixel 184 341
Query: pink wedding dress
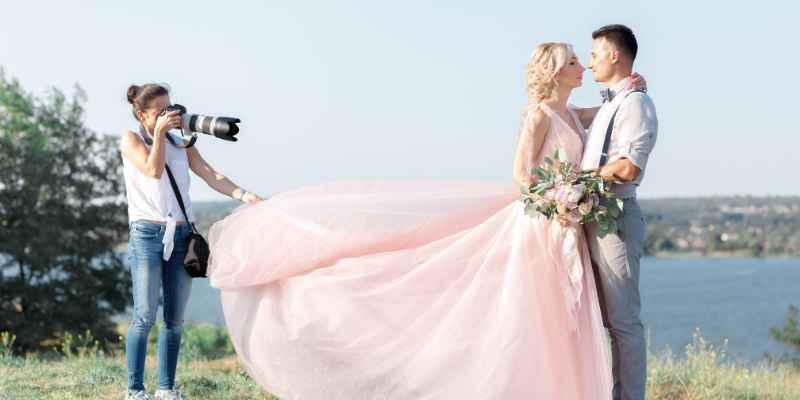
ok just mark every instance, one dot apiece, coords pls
pixel 412 290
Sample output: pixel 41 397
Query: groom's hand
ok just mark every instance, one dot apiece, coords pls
pixel 604 174
pixel 620 171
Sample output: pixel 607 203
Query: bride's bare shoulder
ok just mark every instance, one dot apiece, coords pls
pixel 537 119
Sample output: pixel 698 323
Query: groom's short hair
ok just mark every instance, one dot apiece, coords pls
pixel 621 36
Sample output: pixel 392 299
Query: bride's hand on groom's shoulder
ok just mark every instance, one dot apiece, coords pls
pixel 638 82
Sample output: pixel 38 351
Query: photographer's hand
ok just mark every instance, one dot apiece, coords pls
pixel 249 197
pixel 166 122
pixel 150 161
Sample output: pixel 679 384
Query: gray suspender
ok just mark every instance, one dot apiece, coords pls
pixel 610 129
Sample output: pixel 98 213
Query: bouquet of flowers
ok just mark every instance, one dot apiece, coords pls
pixel 564 192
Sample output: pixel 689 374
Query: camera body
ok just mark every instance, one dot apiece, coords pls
pixel 224 128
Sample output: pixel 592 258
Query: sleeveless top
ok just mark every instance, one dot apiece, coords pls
pixel 153 199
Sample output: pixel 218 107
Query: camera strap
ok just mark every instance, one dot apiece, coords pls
pixel 186 146
pixel 149 141
pixel 179 197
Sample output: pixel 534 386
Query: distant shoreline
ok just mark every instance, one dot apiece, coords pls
pixel 720 254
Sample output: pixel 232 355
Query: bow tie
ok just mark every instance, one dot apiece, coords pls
pixel 607 95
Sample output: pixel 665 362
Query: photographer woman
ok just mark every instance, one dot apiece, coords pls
pixel 158 232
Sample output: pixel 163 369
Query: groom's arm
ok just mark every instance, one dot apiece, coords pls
pixel 635 137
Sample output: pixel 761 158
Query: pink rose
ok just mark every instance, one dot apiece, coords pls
pixel 562 194
pixel 576 193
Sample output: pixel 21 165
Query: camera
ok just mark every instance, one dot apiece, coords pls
pixel 224 128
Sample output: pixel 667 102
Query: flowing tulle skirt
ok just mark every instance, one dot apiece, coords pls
pixel 415 290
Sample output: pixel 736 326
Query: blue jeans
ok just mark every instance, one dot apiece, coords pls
pixel 150 273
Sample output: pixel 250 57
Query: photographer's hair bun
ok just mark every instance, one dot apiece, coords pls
pixel 133 90
pixel 141 96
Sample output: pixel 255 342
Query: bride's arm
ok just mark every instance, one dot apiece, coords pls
pixel 529 144
pixel 586 115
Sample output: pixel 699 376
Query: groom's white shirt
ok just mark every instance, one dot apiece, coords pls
pixel 635 131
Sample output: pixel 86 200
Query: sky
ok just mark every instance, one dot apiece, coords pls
pixel 339 90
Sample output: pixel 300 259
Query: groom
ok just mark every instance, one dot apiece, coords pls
pixel 619 142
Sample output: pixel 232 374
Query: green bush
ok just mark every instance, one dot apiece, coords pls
pixel 82 345
pixel 205 341
pixel 7 344
pixel 199 341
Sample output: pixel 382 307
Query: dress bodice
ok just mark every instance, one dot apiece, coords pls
pixel 561 135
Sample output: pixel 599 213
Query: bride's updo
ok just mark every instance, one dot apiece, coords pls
pixel 546 60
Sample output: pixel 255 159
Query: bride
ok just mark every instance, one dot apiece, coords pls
pixel 421 290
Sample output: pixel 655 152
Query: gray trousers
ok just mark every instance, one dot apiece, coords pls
pixel 615 260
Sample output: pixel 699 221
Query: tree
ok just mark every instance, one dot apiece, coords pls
pixel 62 212
pixel 790 333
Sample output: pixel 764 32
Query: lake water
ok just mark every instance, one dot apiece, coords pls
pixel 738 299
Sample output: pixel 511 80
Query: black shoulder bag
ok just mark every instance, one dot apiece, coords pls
pixel 197 253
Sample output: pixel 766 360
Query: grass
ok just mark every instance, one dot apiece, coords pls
pixel 104 378
pixel 706 373
pixel 77 368
pixel 209 370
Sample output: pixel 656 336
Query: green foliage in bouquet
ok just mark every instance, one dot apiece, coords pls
pixel 562 191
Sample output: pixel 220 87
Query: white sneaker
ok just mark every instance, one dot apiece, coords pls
pixel 162 394
pixel 137 395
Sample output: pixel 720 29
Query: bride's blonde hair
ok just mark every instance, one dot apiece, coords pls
pixel 547 59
